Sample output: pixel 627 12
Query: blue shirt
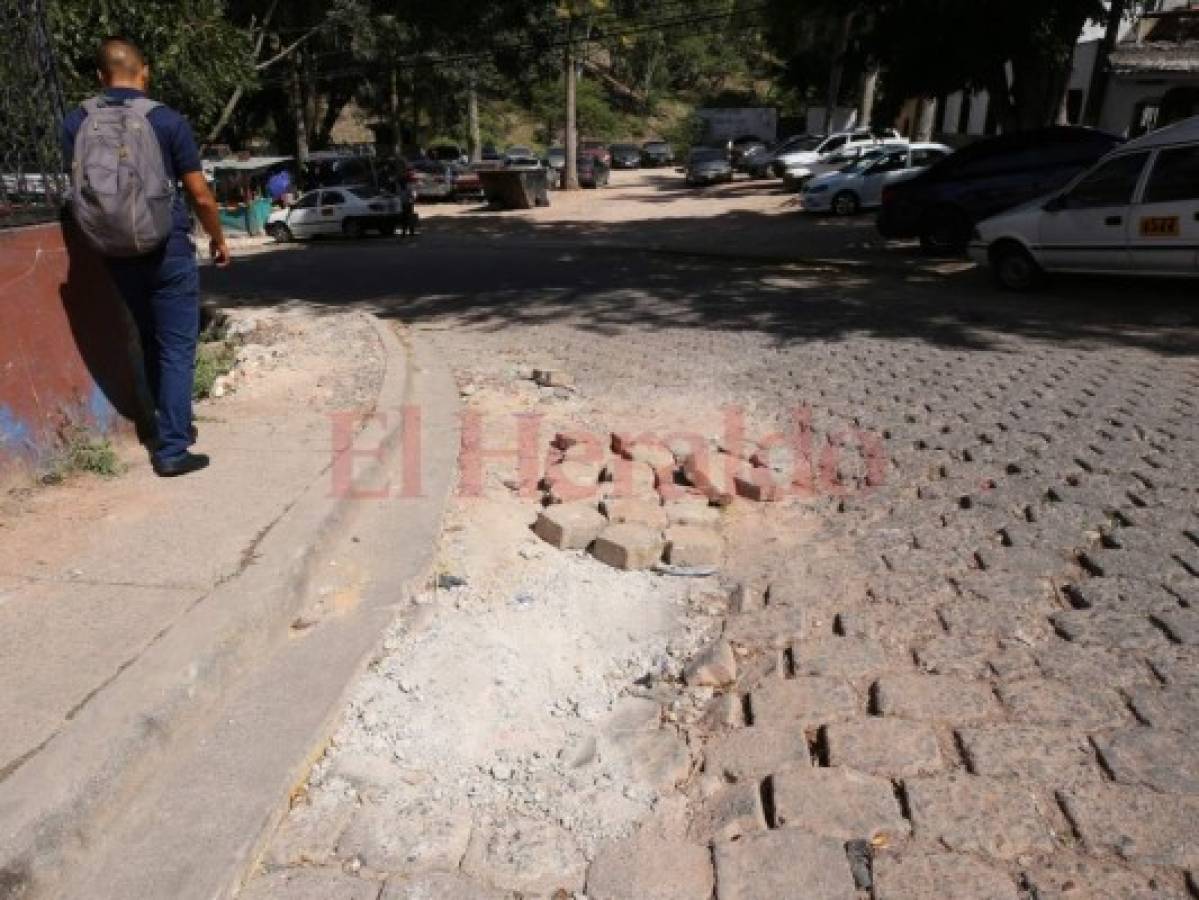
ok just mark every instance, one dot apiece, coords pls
pixel 180 155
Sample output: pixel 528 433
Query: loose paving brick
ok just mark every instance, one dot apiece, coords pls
pixel 839 803
pixel 1049 756
pixel 939 876
pixel 890 747
pixel 570 526
pixel 1139 825
pixel 754 753
pixel 644 867
pixel 804 702
pixel 935 698
pixel 1166 761
pixel 1042 701
pixel 628 547
pixel 693 546
pixel 753 869
pixel 692 511
pixel 633 511
pixel 971 814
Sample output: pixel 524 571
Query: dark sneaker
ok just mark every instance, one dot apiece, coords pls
pixel 184 465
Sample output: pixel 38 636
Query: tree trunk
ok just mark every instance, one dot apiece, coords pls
pixel 395 113
pixel 926 119
pixel 295 99
pixel 837 72
pixel 1101 74
pixel 869 92
pixel 570 174
pixel 472 116
pixel 231 105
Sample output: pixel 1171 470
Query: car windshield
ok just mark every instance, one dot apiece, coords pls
pixel 863 163
pixel 656 145
pixel 368 193
pixel 556 153
pixel 624 148
pixel 707 155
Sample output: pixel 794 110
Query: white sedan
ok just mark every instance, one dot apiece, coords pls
pixel 340 210
pixel 860 185
pixel 1135 213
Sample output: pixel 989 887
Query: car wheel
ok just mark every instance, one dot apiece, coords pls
pixel 945 231
pixel 846 203
pixel 387 230
pixel 351 228
pixel 1014 268
pixel 281 233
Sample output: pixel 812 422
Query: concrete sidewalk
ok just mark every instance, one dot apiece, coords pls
pixel 136 616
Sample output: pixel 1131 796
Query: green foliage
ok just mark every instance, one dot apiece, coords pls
pixel 213 359
pixel 197 55
pixel 81 451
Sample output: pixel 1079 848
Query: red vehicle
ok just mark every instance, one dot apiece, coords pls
pixel 597 149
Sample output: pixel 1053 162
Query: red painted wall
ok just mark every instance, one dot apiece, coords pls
pixel 66 345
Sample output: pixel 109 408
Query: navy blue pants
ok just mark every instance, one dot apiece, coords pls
pixel 163 295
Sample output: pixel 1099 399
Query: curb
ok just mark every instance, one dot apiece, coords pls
pixel 61 806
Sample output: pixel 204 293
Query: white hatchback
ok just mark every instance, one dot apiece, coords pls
pixel 338 210
pixel 860 184
pixel 1136 212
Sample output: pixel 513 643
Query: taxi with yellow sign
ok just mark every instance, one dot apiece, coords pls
pixel 1136 212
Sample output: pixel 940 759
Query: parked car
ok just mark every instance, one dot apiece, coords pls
pixel 656 153
pixel 1136 212
pixel 466 184
pixel 597 149
pixel 746 145
pixel 341 210
pixel 431 180
pixel 491 154
pixel 762 165
pixel 797 176
pixel 450 153
pixel 593 171
pixel 708 165
pixel 943 205
pixel 860 184
pixel 521 157
pixel 626 156
pixel 833 144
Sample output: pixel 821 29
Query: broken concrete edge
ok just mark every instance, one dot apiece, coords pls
pixel 60 799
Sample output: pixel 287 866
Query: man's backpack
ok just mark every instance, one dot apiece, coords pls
pixel 121 196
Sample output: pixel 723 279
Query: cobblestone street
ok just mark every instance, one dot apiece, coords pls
pixel 959 662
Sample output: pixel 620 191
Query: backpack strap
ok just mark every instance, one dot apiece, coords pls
pixel 144 105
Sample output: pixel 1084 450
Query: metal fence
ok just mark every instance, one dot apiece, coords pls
pixel 32 180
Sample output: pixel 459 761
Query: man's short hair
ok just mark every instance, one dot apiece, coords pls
pixel 119 57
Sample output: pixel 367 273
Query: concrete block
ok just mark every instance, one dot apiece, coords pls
pixel 629 546
pixel 570 526
pixel 689 545
pixel 634 511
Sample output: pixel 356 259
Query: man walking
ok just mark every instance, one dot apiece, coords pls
pixel 127 156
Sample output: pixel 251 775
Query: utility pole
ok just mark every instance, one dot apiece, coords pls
pixel 472 115
pixel 299 113
pixel 570 175
pixel 869 92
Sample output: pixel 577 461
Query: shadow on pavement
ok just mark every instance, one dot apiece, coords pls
pixel 516 273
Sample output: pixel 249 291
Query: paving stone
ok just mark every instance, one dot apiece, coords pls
pixel 1026 622
pixel 654 455
pixel 1158 829
pixel 714 667
pixel 573 481
pixel 935 698
pixel 1069 877
pixel 1173 708
pixel 838 803
pixel 1125 631
pixel 1182 625
pixel 803 702
pixel 438 886
pixel 1178 667
pixel 761 486
pixel 894 625
pixel 526 855
pixel 838 657
pixel 749 869
pixel 1043 701
pixel 309 884
pixel 722 712
pixel 308 833
pixel 939 876
pixel 714 477
pixel 627 480
pixel 569 526
pixel 693 511
pixel 630 510
pixel 971 814
pixel 628 547
pixel 399 836
pixel 690 545
pixel 658 758
pixel 642 867
pixel 960 656
pixel 774 627
pixel 1090 666
pixel 1166 761
pixel 1046 755
pixel 894 748
pixel 754 753
pixel 730 813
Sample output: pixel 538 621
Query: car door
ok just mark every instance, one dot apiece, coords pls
pixel 1087 228
pixel 1165 224
pixel 879 175
pixel 332 210
pixel 303 217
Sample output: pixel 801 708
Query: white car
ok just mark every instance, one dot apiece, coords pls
pixel 1136 212
pixel 860 185
pixel 336 210
pixel 799 174
pixel 833 144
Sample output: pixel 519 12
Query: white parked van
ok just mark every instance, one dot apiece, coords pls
pixel 1136 212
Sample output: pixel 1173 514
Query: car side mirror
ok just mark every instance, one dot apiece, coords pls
pixel 1056 204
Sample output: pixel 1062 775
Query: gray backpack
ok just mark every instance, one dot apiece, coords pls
pixel 121 196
